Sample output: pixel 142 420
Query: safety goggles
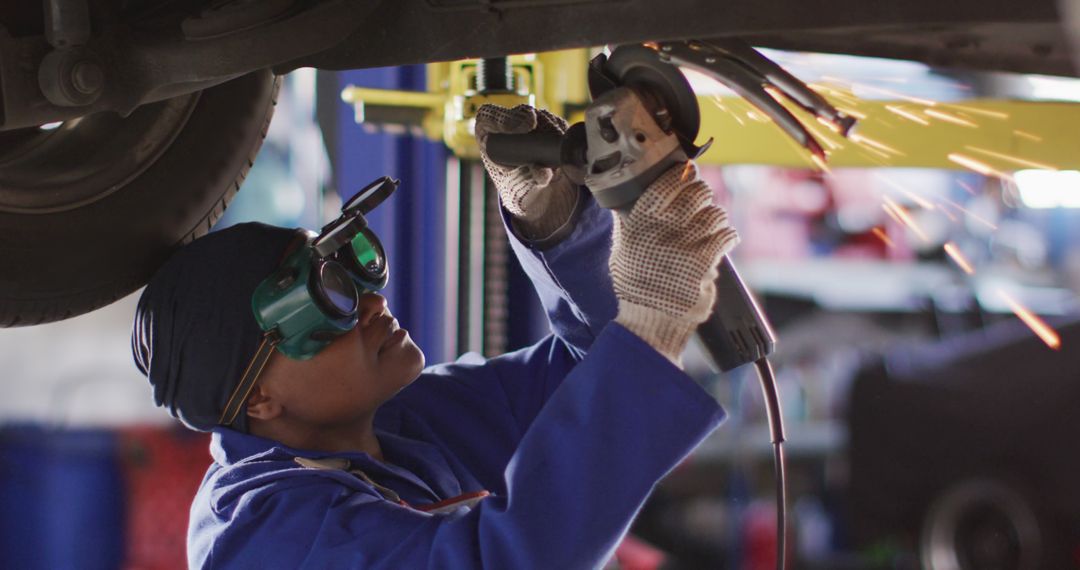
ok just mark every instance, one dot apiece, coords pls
pixel 313 296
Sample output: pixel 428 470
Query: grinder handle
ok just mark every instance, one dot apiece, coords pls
pixel 540 149
pixel 737 331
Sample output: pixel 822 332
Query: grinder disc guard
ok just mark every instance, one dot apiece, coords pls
pixel 641 69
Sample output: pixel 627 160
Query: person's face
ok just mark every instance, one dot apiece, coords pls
pixel 349 379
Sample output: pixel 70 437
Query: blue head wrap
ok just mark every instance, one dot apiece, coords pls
pixel 194 331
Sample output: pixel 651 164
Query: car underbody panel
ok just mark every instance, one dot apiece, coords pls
pixel 138 55
pixel 1001 35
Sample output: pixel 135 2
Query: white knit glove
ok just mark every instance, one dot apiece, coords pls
pixel 664 257
pixel 540 199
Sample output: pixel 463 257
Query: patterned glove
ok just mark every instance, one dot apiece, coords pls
pixel 540 199
pixel 664 257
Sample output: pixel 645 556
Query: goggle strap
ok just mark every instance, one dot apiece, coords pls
pixel 266 348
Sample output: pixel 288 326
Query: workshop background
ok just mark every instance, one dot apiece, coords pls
pixel 920 407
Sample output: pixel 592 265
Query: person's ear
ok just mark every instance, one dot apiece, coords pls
pixel 261 405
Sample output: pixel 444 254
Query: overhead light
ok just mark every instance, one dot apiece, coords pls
pixel 1043 189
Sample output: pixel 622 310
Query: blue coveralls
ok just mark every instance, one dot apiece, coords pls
pixel 568 436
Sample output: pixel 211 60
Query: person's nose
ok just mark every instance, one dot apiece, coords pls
pixel 371 305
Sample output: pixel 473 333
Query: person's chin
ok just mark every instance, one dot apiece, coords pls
pixel 407 357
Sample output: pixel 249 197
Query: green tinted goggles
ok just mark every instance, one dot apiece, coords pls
pixel 313 296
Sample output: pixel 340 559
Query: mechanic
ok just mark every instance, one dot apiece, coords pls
pixel 360 458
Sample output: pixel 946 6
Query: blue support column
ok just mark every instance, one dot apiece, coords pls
pixel 411 223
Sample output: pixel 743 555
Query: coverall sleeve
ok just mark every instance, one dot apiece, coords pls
pixel 569 271
pixel 480 409
pixel 621 420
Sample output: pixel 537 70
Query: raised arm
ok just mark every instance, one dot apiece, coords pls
pixel 560 236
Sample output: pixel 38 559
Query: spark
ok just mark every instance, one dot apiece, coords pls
pixel 823 137
pixel 883 237
pixel 954 253
pixel 966 187
pixel 907 115
pixel 880 146
pixel 820 163
pixel 836 94
pixel 905 218
pixel 892 214
pixel 720 103
pixel 875 157
pixel 977 166
pixel 922 202
pixel 829 124
pixel 686 171
pixel 950 118
pixel 948 214
pixel 1027 135
pixel 971 214
pixel 1011 158
pixel 1044 331
pixel 977 111
pixel 755 116
pixel 919 200
pixel 852 112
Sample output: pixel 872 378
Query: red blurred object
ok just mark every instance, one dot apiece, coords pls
pixel 759 536
pixel 636 554
pixel 162 470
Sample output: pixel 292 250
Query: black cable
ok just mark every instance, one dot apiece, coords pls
pixel 776 430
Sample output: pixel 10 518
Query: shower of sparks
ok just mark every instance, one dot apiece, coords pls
pixel 1028 136
pixel 961 261
pixel 977 111
pixel 1013 159
pixel 950 118
pixel 876 145
pixel 907 115
pixel 967 188
pixel 1044 331
pixel 904 217
pixel 971 214
pixel 977 166
pixel 883 237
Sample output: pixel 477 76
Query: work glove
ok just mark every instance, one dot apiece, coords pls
pixel 664 259
pixel 539 199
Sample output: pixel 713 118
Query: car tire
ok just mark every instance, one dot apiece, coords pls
pixel 985 522
pixel 90 209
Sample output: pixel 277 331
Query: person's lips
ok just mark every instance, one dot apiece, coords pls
pixel 391 331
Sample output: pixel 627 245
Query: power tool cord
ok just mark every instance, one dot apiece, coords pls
pixel 776 430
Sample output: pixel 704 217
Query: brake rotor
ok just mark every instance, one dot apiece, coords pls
pixel 641 69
